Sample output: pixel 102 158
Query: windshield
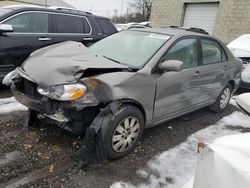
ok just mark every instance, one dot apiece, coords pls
pixel 132 48
pixel 3 11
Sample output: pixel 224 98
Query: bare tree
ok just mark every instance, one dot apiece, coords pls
pixel 143 7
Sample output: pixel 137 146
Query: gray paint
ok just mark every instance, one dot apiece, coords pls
pixel 163 96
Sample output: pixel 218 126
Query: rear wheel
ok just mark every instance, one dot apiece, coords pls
pixel 223 99
pixel 125 129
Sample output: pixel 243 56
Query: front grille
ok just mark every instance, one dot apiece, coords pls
pixel 28 88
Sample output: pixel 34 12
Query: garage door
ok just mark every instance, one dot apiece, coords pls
pixel 202 15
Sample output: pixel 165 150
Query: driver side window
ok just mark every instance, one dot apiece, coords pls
pixel 30 23
pixel 186 51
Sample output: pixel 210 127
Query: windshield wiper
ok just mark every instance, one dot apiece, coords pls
pixel 112 60
pixel 129 67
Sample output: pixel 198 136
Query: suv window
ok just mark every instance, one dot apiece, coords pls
pixel 68 24
pixel 86 25
pixel 30 22
pixel 185 51
pixel 212 52
pixel 106 26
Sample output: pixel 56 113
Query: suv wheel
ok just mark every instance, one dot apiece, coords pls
pixel 125 129
pixel 223 99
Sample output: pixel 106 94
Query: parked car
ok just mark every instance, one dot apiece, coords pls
pixel 26 29
pixel 226 161
pixel 125 83
pixel 243 102
pixel 121 27
pixel 240 47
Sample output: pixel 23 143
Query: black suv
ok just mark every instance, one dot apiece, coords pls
pixel 25 29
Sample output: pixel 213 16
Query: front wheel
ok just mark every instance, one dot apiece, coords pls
pixel 223 99
pixel 124 131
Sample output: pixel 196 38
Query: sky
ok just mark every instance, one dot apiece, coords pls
pixel 101 7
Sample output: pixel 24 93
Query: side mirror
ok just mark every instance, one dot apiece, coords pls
pixel 171 65
pixel 6 28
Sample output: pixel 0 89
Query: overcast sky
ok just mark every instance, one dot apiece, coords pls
pixel 101 7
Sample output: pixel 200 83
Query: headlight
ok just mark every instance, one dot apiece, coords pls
pixel 64 92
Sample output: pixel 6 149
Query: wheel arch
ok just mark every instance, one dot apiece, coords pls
pixel 232 83
pixel 136 104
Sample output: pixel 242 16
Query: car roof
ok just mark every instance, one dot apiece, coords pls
pixel 17 9
pixel 173 31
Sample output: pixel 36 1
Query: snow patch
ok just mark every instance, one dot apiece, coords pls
pixel 7 100
pixel 173 168
pixel 8 105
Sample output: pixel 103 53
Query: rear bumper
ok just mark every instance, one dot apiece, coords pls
pixel 63 114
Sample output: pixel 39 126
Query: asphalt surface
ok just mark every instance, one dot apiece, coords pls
pixel 45 158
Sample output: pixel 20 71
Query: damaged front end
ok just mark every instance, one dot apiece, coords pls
pixel 74 116
pixel 82 117
pixel 66 93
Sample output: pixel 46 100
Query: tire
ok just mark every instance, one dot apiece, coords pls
pixel 117 140
pixel 223 100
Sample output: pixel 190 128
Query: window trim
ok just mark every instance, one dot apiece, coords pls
pixel 50 25
pixel 155 68
pixel 221 49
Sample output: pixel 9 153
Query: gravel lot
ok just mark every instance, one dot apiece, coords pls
pixel 45 158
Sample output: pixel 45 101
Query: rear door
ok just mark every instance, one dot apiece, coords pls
pixel 213 69
pixel 31 32
pixel 72 27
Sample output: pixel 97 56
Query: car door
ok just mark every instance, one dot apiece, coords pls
pixel 178 92
pixel 213 69
pixel 31 31
pixel 72 27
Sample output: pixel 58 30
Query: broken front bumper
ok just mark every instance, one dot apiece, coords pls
pixel 64 114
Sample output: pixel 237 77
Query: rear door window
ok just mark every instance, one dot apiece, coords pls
pixel 212 52
pixel 106 26
pixel 32 22
pixel 68 24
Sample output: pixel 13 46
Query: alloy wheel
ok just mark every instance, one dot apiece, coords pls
pixel 225 97
pixel 125 134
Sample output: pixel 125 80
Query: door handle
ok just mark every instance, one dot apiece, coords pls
pixel 225 67
pixel 44 39
pixel 88 39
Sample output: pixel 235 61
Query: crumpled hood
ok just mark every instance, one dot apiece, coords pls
pixel 64 63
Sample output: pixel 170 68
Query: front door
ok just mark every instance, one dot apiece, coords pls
pixel 31 32
pixel 178 92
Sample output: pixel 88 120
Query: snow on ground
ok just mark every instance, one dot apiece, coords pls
pixel 233 101
pixel 8 105
pixel 7 100
pixel 173 168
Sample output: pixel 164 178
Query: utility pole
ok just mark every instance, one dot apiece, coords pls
pixel 121 8
pixel 45 3
pixel 115 14
pixel 127 14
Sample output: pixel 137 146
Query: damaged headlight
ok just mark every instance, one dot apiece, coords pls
pixel 64 92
